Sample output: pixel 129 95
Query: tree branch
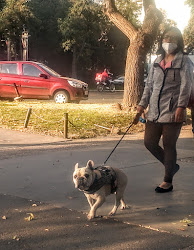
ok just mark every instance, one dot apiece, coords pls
pixel 147 3
pixel 121 22
pixel 153 18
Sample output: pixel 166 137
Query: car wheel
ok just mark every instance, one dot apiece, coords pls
pixel 61 97
pixel 112 87
pixel 100 88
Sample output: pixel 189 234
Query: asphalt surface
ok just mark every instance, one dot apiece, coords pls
pixel 104 97
pixel 61 228
pixel 39 169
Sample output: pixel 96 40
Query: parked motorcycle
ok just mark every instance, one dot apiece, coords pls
pixel 103 84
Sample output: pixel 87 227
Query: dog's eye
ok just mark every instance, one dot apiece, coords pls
pixel 86 175
pixel 75 176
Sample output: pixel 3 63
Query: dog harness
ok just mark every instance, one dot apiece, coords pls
pixel 108 176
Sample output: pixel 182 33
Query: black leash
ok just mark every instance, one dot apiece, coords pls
pixel 118 143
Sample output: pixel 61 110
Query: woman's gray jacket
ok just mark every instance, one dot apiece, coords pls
pixel 165 90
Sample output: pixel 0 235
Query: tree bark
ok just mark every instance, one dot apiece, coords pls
pixel 141 40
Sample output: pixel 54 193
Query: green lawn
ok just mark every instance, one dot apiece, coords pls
pixel 48 118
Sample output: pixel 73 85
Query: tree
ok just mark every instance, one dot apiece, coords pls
pixel 13 15
pixel 2 4
pixel 81 31
pixel 93 40
pixel 45 37
pixel 141 41
pixel 189 30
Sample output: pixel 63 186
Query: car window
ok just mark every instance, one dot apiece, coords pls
pixel 30 70
pixel 10 68
pixel 48 70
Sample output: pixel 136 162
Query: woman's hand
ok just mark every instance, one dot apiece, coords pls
pixel 179 114
pixel 140 110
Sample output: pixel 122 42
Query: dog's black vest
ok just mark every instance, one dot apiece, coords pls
pixel 108 176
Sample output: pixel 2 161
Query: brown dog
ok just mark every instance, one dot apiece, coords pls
pixel 99 182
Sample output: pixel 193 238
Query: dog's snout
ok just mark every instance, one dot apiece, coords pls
pixel 81 182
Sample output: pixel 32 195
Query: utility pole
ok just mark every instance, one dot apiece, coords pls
pixel 25 36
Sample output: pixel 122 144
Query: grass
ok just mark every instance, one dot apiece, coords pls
pixel 48 118
pixel 84 119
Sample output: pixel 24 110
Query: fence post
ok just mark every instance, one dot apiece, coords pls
pixel 27 117
pixel 65 125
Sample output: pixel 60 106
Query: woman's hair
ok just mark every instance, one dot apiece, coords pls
pixel 180 43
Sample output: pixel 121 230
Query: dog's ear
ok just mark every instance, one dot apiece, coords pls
pixel 76 166
pixel 90 164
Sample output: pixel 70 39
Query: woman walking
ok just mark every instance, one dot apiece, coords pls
pixel 166 94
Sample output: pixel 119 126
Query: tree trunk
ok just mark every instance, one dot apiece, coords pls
pixel 74 63
pixel 8 42
pixel 134 76
pixel 141 41
pixel 76 56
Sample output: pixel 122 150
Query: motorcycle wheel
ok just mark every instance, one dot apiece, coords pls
pixel 100 88
pixel 112 87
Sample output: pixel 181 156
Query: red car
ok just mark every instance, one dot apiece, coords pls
pixel 33 80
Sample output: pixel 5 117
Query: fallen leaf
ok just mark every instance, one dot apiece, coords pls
pixel 186 220
pixel 16 238
pixel 30 217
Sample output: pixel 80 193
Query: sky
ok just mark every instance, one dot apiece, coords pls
pixel 176 10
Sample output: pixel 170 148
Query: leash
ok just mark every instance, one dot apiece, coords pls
pixel 118 143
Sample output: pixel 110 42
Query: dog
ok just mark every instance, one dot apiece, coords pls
pixel 99 182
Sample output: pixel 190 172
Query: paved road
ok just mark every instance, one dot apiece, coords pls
pixel 61 228
pixel 104 97
pixel 40 168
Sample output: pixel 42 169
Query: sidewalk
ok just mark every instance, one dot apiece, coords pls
pixel 153 221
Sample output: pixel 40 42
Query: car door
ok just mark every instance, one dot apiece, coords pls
pixel 9 80
pixel 32 85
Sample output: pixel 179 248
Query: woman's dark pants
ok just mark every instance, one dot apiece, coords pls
pixel 192 117
pixel 166 155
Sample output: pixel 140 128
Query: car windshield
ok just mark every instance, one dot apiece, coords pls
pixel 48 70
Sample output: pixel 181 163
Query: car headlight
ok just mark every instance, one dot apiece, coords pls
pixel 75 84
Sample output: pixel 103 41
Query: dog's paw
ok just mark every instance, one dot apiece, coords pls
pixel 111 213
pixel 123 207
pixel 90 216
